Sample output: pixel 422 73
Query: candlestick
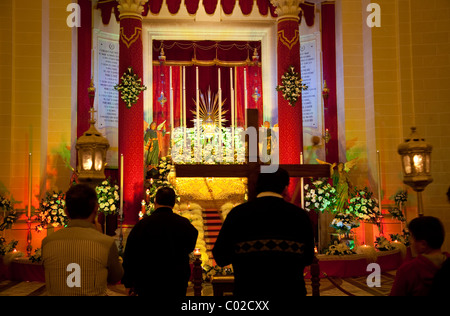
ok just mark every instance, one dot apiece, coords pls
pixel 245 95
pixel 220 113
pixel 197 106
pixel 184 106
pixel 30 185
pixel 171 104
pixel 232 110
pixel 379 185
pixel 121 184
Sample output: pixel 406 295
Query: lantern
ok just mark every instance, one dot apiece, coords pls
pixel 416 164
pixel 92 148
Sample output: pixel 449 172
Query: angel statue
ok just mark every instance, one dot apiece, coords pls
pixel 341 181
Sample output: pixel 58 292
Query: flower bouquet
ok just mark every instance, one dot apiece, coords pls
pixel 382 244
pixel 130 87
pixel 10 215
pixel 364 206
pixel 51 211
pixel 400 198
pixel 338 249
pixel 108 198
pixel 320 196
pixel 7 248
pixel 291 86
pixel 344 223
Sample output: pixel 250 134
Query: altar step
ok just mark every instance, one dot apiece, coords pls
pixel 212 224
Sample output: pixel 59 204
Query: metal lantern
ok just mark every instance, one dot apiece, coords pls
pixel 416 164
pixel 92 148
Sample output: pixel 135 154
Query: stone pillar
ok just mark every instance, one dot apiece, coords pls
pixel 131 120
pixel 290 119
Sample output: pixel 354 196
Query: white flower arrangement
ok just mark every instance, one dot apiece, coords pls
pixel 339 249
pixel 291 86
pixel 130 87
pixel 344 223
pixel 364 206
pixel 52 210
pixel 108 198
pixel 320 196
pixel 382 244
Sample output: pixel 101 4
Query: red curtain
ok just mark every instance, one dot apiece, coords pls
pixel 329 75
pixel 209 57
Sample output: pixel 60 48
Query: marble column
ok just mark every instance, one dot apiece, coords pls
pixel 131 120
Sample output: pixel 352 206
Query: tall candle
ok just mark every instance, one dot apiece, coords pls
pixel 197 100
pixel 232 109
pixel 302 191
pixel 220 111
pixel 245 95
pixel 171 103
pixel 379 179
pixel 121 184
pixel 30 186
pixel 184 106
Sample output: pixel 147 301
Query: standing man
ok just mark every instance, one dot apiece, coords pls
pixel 79 260
pixel 156 259
pixel 268 241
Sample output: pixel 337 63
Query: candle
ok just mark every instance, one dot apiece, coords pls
pixel 232 110
pixel 302 191
pixel 220 112
pixel 121 184
pixel 245 95
pixel 197 252
pixel 379 180
pixel 184 106
pixel 30 186
pixel 197 100
pixel 171 102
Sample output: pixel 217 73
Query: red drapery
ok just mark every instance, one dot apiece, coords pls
pixel 233 60
pixel 246 6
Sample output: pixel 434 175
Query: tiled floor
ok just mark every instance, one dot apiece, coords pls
pixel 328 287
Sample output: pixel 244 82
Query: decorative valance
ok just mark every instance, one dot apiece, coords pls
pixel 107 7
pixel 207 53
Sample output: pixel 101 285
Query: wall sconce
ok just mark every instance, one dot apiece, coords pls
pixel 416 164
pixel 325 91
pixel 327 136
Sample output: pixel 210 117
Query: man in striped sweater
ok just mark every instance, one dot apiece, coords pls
pixel 79 260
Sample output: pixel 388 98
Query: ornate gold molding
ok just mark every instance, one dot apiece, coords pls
pixel 128 41
pixel 289 43
pixel 131 8
pixel 287 8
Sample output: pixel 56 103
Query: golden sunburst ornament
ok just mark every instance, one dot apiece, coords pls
pixel 209 112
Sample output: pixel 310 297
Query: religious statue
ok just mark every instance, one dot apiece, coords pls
pixel 152 139
pixel 342 182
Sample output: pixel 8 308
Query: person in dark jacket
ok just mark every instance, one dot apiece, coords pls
pixel 268 241
pixel 156 258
